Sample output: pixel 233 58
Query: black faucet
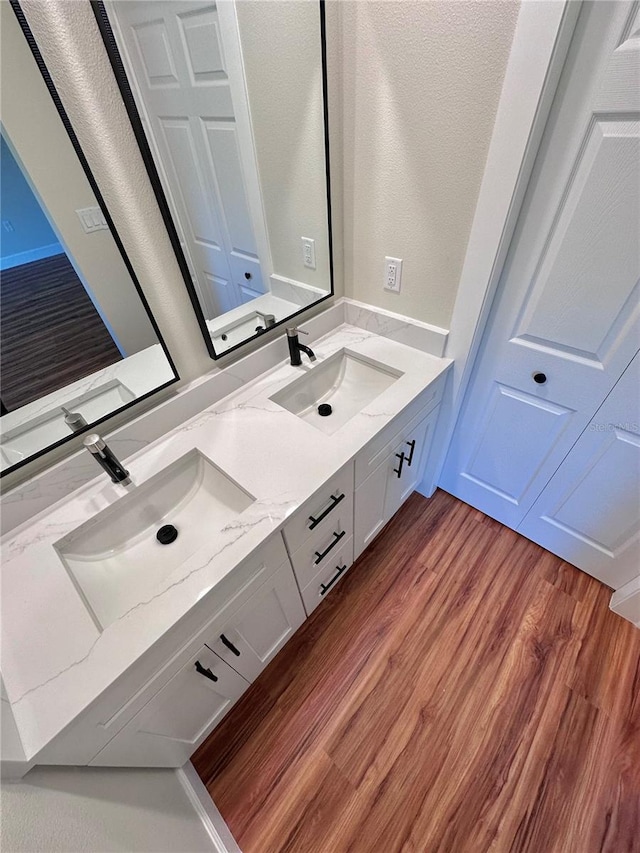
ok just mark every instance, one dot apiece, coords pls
pixel 105 457
pixel 295 347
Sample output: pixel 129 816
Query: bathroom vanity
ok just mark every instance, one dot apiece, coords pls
pixel 122 651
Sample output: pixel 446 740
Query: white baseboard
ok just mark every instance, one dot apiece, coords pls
pixel 626 601
pixel 218 831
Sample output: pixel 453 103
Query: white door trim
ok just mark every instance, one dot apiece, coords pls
pixel 540 45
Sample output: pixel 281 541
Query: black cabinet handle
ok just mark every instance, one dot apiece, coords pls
pixel 229 645
pixel 412 445
pixel 539 378
pixel 337 538
pixel 334 503
pixel 398 470
pixel 205 671
pixel 325 587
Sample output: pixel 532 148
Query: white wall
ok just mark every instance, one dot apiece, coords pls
pixel 421 87
pixel 73 809
pixel 283 71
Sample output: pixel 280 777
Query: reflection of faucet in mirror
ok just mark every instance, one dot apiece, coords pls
pixel 74 420
pixel 106 458
pixel 269 321
pixel 295 347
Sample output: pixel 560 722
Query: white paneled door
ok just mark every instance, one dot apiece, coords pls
pixel 589 512
pixel 566 322
pixel 179 55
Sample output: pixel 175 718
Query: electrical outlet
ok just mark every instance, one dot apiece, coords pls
pixel 392 274
pixel 309 252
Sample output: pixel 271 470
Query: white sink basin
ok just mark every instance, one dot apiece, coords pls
pixel 115 559
pixel 347 382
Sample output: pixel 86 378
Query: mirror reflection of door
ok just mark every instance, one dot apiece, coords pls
pixel 227 96
pixel 179 52
pixel 51 329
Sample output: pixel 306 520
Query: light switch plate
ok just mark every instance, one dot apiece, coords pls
pixel 92 219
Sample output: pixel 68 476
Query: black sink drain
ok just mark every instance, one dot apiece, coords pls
pixel 324 410
pixel 167 534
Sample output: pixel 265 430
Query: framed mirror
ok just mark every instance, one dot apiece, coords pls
pixel 228 102
pixel 77 339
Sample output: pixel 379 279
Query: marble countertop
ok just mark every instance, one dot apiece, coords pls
pixel 55 660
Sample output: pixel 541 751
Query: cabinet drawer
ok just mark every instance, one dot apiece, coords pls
pixel 328 577
pixel 394 433
pixel 320 511
pixel 320 549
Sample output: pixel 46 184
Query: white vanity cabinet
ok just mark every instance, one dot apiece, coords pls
pixel 167 730
pixel 170 727
pixel 399 468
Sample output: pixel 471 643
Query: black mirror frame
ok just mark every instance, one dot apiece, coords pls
pixel 117 65
pixel 24 26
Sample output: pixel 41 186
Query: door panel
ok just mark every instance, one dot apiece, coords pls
pixel 568 306
pixel 589 513
pixel 500 461
pixel 176 51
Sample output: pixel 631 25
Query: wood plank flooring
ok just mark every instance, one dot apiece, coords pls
pixel 461 690
pixel 50 332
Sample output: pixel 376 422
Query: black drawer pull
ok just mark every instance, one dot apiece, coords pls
pixel 412 445
pixel 325 587
pixel 334 503
pixel 337 538
pixel 205 671
pixel 398 470
pixel 229 645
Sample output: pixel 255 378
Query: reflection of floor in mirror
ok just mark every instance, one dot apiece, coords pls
pixel 50 333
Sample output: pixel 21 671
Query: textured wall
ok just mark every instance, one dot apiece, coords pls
pixel 421 87
pixel 48 157
pixel 68 37
pixel 73 809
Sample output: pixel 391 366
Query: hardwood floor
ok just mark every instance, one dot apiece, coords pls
pixel 50 332
pixel 461 690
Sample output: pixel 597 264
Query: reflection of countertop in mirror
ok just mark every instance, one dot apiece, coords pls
pixel 134 376
pixel 232 323
pixel 55 660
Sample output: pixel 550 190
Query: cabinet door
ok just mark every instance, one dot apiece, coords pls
pixel 369 508
pixel 168 729
pixel 384 491
pixel 256 632
pixel 407 465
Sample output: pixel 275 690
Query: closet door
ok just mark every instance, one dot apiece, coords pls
pixel 589 513
pixel 566 320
